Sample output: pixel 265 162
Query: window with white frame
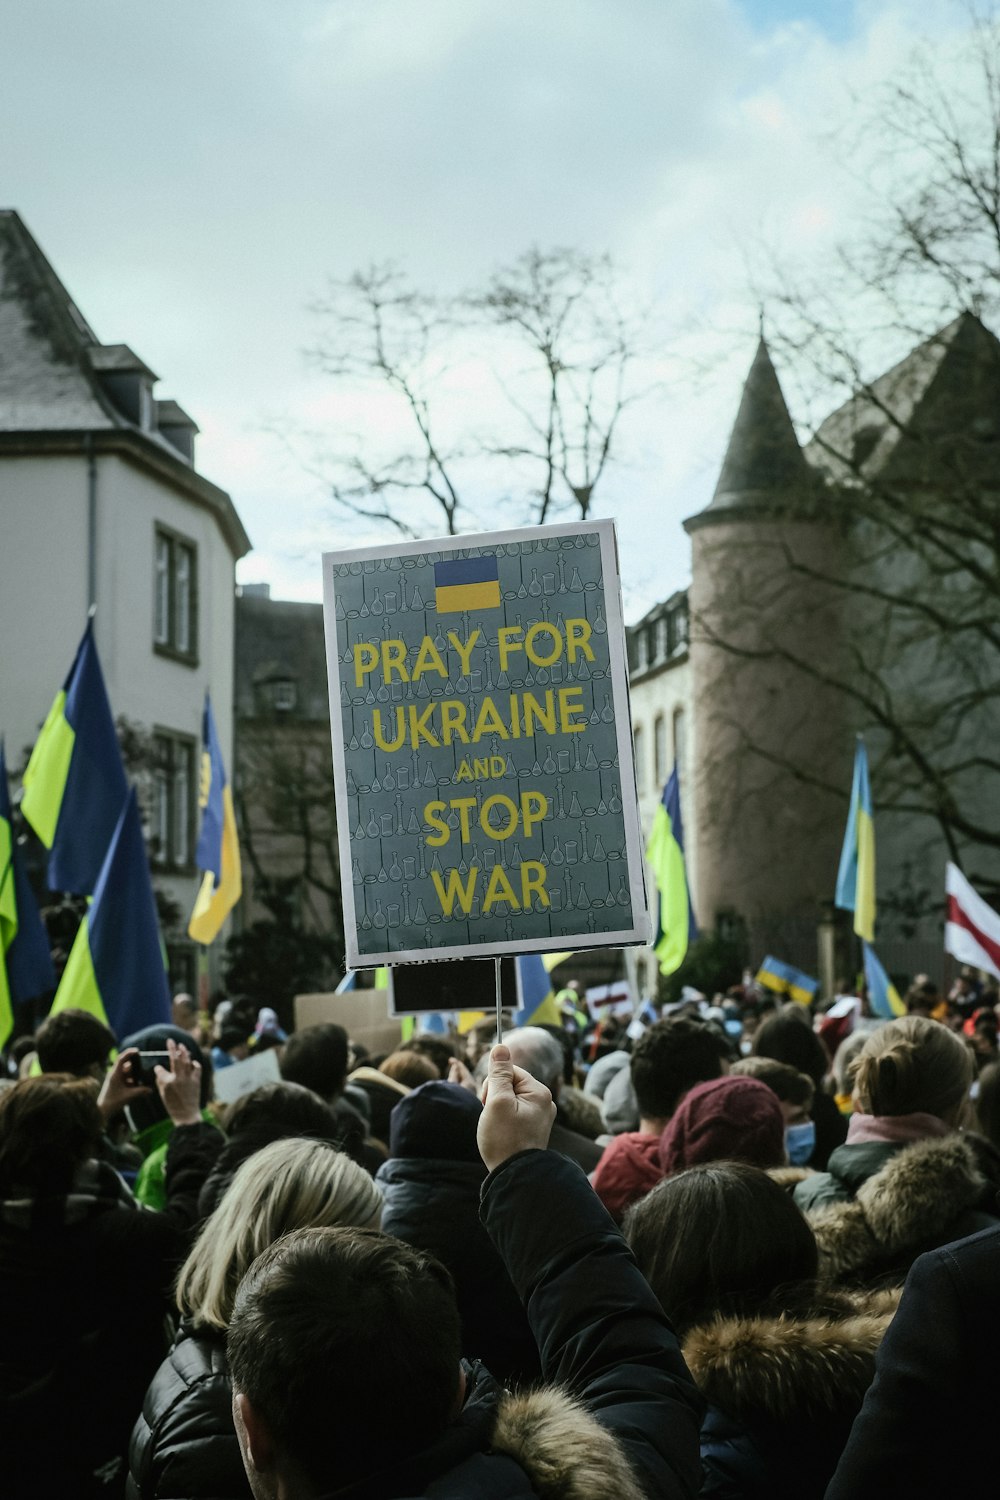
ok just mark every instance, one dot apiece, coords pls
pixel 175 593
pixel 172 830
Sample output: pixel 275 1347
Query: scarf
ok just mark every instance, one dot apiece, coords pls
pixel 96 1188
pixel 895 1129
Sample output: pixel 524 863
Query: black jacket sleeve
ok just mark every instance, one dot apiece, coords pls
pixel 600 1331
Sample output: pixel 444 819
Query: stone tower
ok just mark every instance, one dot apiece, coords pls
pixel 766 639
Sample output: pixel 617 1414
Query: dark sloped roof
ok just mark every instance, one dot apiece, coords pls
pixel 936 410
pixel 51 397
pixel 280 638
pixel 763 453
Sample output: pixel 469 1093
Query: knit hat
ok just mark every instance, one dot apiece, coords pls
pixel 437 1122
pixel 726 1119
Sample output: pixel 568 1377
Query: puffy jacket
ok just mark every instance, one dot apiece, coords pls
pixel 184 1445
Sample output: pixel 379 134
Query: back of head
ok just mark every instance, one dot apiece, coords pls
pixel 787 1083
pixel 913 1066
pixel 988 1103
pixel 308 1341
pixel 789 1038
pixel 74 1041
pixel 726 1119
pixel 669 1059
pixel 317 1058
pixel 439 1049
pixel 437 1122
pixel 537 1052
pixel 287 1185
pixel 719 1240
pixel 411 1068
pixel 276 1110
pixel 48 1126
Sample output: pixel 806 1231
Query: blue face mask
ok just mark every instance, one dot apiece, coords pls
pixel 800 1142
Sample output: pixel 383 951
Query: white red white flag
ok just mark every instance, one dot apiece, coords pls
pixel 972 929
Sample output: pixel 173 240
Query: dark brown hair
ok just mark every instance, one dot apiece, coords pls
pixel 781 1078
pixel 670 1058
pixel 48 1126
pixel 719 1240
pixel 72 1041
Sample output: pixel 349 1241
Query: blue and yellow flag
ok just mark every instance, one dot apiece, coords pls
pixel 25 961
pixel 785 979
pixel 466 583
pixel 115 969
pixel 218 851
pixel 675 924
pixel 74 783
pixel 883 996
pixel 538 1002
pixel 856 875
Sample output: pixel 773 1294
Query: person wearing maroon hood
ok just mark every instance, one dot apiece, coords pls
pixel 666 1063
pixel 727 1119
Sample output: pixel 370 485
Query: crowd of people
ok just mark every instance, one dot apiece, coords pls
pixel 737 1249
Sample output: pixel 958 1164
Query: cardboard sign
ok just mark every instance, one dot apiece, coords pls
pixel 243 1077
pixel 482 746
pixel 362 1013
pixel 615 999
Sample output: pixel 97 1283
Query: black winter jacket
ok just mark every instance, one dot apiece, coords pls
pixel 184 1445
pixel 603 1341
pixel 434 1205
pixel 84 1329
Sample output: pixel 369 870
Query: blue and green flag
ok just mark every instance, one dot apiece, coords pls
pixel 883 996
pixel 856 875
pixel 676 928
pixel 26 970
pixel 218 851
pixel 115 968
pixel 74 783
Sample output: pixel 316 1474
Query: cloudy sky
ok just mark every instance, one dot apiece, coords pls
pixel 196 172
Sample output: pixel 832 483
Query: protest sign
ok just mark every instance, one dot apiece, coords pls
pixel 459 985
pixel 482 746
pixel 243 1077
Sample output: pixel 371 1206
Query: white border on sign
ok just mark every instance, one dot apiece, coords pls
pixel 640 931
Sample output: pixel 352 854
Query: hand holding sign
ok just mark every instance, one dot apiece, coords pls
pixel 518 1111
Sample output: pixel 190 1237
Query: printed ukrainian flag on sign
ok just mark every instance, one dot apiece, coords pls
pixel 466 583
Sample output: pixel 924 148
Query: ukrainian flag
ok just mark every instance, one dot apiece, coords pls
pixel 883 996
pixel 675 924
pixel 25 961
pixel 218 851
pixel 785 979
pixel 466 583
pixel 115 968
pixel 538 1002
pixel 856 875
pixel 74 783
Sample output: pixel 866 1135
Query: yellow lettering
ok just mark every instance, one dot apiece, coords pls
pixel 488 721
pixel 453 720
pixel 546 716
pixel 464 893
pixel 542 627
pixel 464 652
pixel 428 660
pixel 499 889
pixel 462 804
pixel 464 772
pixel 568 707
pixel 533 883
pixel 482 769
pixel 536 801
pixel 419 729
pixel 510 808
pixel 578 634
pixel 432 816
pixel 365 659
pixel 380 738
pixel 508 642
pixel 498 765
pixel 394 660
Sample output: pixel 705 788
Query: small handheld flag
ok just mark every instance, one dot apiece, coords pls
pixel 115 968
pixel 972 929
pixel 856 875
pixel 74 783
pixel 883 996
pixel 466 583
pixel 218 851
pixel 675 924
pixel 785 979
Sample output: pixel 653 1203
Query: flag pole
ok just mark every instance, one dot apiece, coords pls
pixel 496 963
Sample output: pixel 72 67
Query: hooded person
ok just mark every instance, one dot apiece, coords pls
pixel 726 1119
pixel 906 1180
pixel 430 1190
pixel 782 1364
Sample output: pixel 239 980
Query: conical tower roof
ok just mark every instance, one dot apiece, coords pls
pixel 763 460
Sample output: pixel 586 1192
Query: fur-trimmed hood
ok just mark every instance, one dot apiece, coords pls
pixel 925 1195
pixel 790 1369
pixel 565 1452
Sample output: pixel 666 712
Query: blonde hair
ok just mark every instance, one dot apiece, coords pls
pixel 290 1184
pixel 912 1065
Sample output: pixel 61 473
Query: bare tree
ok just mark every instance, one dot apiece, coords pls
pixel 553 350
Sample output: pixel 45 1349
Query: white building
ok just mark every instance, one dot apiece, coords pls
pixel 100 503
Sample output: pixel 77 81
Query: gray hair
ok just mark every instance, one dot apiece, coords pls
pixel 537 1052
